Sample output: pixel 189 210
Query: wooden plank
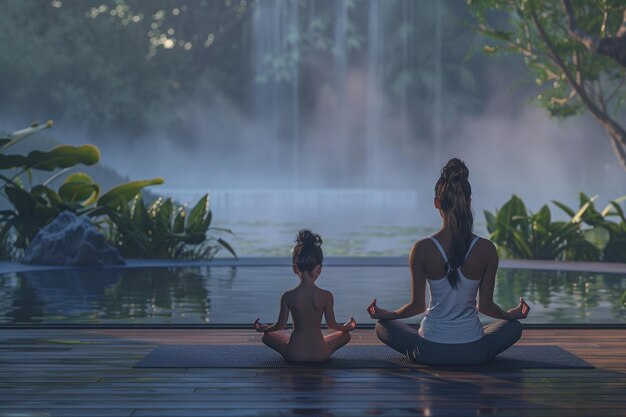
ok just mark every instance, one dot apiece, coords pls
pixel 69 372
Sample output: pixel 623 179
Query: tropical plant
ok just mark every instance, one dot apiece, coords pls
pixel 34 206
pixel 163 230
pixel 520 233
pixel 608 236
pixel 138 232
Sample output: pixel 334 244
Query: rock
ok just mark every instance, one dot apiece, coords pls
pixel 71 240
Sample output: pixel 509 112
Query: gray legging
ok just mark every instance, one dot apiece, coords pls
pixel 499 336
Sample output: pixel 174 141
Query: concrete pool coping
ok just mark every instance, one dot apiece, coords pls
pixel 398 261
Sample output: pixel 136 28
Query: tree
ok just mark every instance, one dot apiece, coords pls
pixel 577 52
pixel 113 65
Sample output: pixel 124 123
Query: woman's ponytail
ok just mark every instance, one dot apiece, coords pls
pixel 454 193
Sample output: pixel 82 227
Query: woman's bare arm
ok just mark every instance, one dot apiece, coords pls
pixel 486 305
pixel 329 314
pixel 283 316
pixel 417 305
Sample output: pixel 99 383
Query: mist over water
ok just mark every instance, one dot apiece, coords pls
pixel 349 139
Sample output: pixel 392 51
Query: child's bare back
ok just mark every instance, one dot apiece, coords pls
pixel 306 303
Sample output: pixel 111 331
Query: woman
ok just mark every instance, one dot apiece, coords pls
pixel 457 266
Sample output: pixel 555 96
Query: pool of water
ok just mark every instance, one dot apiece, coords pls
pixel 227 295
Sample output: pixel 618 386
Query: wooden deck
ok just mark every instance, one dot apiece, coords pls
pixel 65 372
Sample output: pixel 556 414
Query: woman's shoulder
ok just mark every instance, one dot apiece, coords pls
pixel 485 244
pixel 424 244
pixel 427 246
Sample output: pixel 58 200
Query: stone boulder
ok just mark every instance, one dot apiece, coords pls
pixel 71 240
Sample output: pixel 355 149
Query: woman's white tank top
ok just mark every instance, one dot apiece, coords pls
pixel 452 316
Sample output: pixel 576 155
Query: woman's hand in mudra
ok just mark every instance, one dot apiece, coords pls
pixel 521 311
pixel 376 312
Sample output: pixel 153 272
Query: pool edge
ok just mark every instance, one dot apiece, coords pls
pixel 570 266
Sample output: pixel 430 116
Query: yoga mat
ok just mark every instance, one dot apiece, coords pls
pixel 237 356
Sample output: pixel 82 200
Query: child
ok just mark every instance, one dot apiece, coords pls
pixel 306 303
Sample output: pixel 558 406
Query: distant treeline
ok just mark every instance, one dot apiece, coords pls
pixel 135 66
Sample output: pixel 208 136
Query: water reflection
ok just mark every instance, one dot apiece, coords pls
pixel 565 297
pixel 171 295
pixel 225 295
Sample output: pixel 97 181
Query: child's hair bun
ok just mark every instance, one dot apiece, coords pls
pixel 308 251
pixel 306 238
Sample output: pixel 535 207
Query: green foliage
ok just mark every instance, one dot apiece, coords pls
pixel 128 69
pixel 157 231
pixel 589 235
pixel 134 64
pixel 520 34
pixel 162 230
pixel 608 236
pixel 573 78
pixel 522 234
pixel 60 157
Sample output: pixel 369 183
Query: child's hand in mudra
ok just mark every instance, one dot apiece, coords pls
pixel 260 327
pixel 351 324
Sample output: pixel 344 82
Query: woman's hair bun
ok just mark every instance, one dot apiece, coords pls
pixel 455 171
pixel 306 238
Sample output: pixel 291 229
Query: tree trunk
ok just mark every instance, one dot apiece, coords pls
pixel 619 151
pixel 616 133
pixel 612 47
pixel 617 143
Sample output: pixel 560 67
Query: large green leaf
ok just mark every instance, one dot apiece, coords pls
pixel 178 227
pixel 139 214
pixel 79 188
pixel 60 157
pixel 491 221
pixel 161 213
pixel 542 217
pixel 126 192
pixel 199 218
pixel 614 205
pixel 199 211
pixel 565 208
pixel 597 236
pixel 511 215
pixel 585 204
pixel 164 212
pixel 23 201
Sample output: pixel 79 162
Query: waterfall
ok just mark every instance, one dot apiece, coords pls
pixel 276 47
pixel 437 114
pixel 374 105
pixel 265 41
pixel 294 39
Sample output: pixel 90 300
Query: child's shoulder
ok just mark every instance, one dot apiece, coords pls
pixel 327 294
pixel 290 292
